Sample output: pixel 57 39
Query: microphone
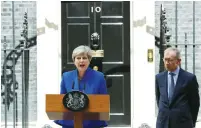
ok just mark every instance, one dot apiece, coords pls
pixel 84 86
pixel 73 85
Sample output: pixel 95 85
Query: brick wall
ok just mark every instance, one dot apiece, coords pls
pixel 184 25
pixel 7 30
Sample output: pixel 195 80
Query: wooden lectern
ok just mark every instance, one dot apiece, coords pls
pixel 98 109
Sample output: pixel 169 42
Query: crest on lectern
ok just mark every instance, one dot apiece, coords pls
pixel 75 101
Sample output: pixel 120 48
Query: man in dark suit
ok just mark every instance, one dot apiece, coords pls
pixel 177 94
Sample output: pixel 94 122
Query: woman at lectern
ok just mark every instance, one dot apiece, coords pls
pixel 84 79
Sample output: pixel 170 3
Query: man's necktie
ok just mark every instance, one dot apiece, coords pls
pixel 171 88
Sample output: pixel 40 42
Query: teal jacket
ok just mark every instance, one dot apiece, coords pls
pixel 93 82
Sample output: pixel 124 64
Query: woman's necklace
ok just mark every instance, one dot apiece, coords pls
pixel 80 78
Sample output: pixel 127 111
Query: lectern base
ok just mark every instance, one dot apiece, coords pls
pixel 78 119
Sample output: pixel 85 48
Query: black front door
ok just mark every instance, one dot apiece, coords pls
pixel 111 20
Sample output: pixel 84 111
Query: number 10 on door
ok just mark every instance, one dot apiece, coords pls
pixel 96 9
